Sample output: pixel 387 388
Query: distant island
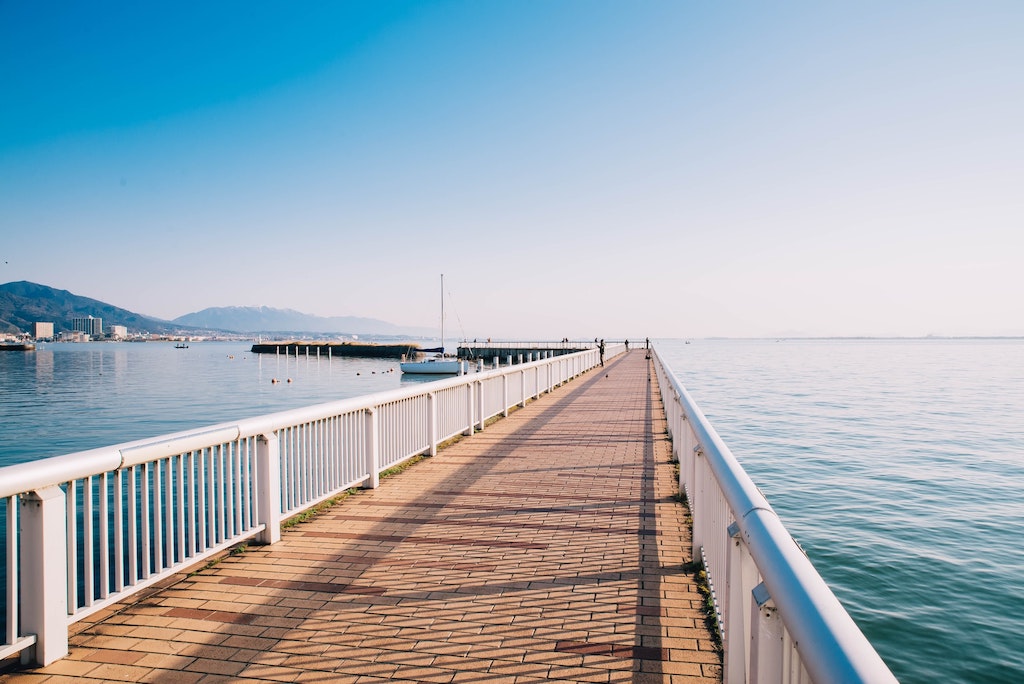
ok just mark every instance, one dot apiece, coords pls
pixel 23 304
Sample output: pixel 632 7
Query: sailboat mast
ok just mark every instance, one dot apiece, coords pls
pixel 442 314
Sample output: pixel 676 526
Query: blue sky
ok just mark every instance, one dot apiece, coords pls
pixel 582 169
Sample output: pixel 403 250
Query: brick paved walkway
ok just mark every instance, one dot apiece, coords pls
pixel 546 548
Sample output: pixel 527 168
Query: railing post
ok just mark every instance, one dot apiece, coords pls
pixel 766 639
pixel 504 395
pixel 696 495
pixel 268 473
pixel 677 430
pixel 432 422
pixel 687 454
pixel 741 578
pixel 468 432
pixel 372 449
pixel 480 404
pixel 44 578
pixel 522 384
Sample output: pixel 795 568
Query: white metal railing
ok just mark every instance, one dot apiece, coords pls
pixel 88 529
pixel 484 345
pixel 778 619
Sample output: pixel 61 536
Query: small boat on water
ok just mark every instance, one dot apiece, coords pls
pixel 434 366
pixel 181 346
pixel 17 346
pixel 439 364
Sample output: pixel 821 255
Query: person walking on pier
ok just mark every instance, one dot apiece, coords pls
pixel 601 349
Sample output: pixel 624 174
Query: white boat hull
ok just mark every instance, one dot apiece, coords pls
pixel 432 367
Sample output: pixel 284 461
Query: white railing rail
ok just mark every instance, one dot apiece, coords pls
pixel 88 529
pixel 778 619
pixel 527 344
pixel 573 345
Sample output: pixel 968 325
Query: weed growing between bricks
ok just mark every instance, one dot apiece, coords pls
pixel 696 568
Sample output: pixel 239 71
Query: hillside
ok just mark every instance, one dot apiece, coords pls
pixel 23 303
pixel 253 319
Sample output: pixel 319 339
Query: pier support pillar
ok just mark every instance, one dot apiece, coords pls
pixel 44 581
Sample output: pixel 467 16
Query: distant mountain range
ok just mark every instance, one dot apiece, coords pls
pixel 257 319
pixel 23 303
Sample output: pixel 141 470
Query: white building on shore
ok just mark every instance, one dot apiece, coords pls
pixel 42 330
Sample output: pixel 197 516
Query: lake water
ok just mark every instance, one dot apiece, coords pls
pixel 64 398
pixel 899 467
pixel 897 464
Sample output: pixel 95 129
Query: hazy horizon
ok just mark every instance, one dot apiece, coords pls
pixel 574 168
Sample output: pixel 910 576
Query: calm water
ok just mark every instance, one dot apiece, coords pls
pixel 898 465
pixel 64 398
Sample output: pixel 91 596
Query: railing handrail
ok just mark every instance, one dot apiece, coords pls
pixel 831 646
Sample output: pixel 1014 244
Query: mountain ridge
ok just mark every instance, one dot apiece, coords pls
pixel 269 319
pixel 23 303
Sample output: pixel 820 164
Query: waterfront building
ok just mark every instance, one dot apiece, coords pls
pixel 42 330
pixel 93 327
pixel 72 336
pixel 119 332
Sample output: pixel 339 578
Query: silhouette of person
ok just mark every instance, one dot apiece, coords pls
pixel 601 349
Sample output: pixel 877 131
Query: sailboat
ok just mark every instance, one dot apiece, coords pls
pixel 435 365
